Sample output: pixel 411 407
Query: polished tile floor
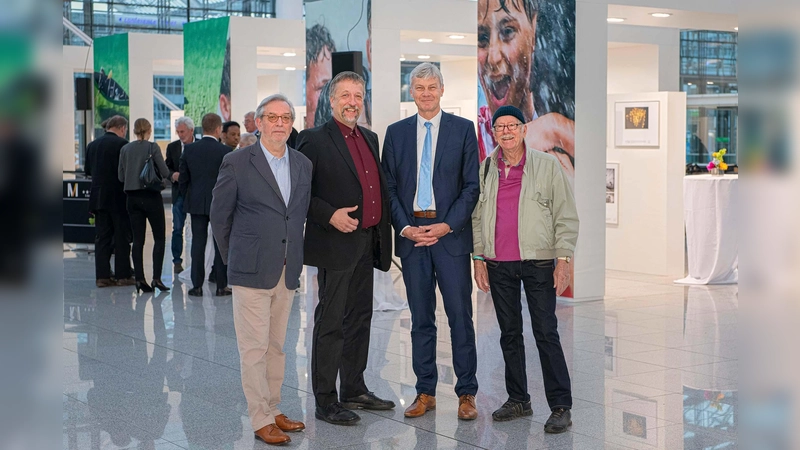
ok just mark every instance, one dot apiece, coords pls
pixel 653 366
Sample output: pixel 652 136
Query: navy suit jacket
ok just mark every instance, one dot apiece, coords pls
pixel 455 180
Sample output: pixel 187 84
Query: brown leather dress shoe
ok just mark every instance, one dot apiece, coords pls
pixel 466 407
pixel 287 424
pixel 422 404
pixel 104 282
pixel 126 282
pixel 272 435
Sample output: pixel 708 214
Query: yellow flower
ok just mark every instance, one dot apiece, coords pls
pixel 715 155
pixel 723 151
pixel 723 166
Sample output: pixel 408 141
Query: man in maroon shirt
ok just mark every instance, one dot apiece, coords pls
pixel 348 232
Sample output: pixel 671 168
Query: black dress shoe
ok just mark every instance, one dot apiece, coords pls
pixel 224 291
pixel 336 415
pixel 558 422
pixel 196 292
pixel 158 284
pixel 511 410
pixel 367 401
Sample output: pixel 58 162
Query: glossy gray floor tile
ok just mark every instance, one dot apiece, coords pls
pixel 654 366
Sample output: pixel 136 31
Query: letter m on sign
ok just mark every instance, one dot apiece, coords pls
pixel 72 190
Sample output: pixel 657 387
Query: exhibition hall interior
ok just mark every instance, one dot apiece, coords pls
pixel 631 106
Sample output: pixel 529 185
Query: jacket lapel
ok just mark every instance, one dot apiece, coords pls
pixel 411 148
pixel 258 159
pixel 294 169
pixel 444 133
pixel 336 135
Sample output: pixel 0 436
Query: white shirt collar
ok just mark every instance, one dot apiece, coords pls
pixel 270 156
pixel 209 136
pixel 435 120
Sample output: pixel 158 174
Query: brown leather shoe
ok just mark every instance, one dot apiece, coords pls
pixel 287 424
pixel 466 407
pixel 104 282
pixel 272 435
pixel 422 404
pixel 126 282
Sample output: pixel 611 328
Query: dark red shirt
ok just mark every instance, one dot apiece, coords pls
pixel 367 169
pixel 506 236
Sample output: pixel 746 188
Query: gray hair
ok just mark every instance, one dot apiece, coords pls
pixel 247 139
pixel 349 76
pixel 185 120
pixel 427 70
pixel 250 113
pixel 274 98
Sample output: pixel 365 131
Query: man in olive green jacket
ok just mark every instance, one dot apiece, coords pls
pixel 524 221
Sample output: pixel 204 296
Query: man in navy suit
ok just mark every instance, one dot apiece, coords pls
pixel 431 166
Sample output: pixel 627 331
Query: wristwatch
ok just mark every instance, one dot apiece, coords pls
pixel 565 258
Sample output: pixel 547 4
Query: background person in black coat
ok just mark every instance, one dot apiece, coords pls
pixel 348 232
pixel 107 203
pixel 199 168
pixel 184 126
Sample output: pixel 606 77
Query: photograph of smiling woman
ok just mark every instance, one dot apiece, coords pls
pixel 526 58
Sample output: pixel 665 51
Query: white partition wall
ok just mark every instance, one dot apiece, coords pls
pixel 649 235
pixel 145 52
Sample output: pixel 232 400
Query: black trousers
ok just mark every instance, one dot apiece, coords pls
pixel 199 239
pixel 112 234
pixel 147 206
pixel 537 279
pixel 341 326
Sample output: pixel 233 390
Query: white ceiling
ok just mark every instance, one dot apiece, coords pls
pixel 692 20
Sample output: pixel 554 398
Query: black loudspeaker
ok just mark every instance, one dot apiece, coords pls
pixel 83 94
pixel 344 61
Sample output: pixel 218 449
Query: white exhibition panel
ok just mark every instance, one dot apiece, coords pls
pixel 711 229
pixel 649 235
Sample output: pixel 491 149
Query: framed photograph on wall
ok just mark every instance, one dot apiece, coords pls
pixel 612 193
pixel 636 124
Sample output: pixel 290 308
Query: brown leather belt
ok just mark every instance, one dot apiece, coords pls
pixel 425 214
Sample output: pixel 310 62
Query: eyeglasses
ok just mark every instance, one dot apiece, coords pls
pixel 272 118
pixel 510 127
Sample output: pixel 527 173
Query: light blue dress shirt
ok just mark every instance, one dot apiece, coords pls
pixel 280 168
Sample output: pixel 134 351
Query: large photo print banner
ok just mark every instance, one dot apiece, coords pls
pixel 207 69
pixel 111 79
pixel 335 26
pixel 526 58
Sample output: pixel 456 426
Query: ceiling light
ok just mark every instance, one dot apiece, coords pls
pixel 615 20
pixel 402 58
pixel 424 56
pixel 290 54
pixel 736 28
pixel 291 68
pixel 456 36
pixel 709 82
pixel 690 83
pixel 660 15
pixel 425 40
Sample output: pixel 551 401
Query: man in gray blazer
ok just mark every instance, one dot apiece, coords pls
pixel 258 213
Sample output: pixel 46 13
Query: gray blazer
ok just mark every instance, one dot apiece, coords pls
pixel 255 231
pixel 131 162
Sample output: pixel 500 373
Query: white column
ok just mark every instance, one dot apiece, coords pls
pixel 591 50
pixel 291 85
pixel 669 62
pixel 140 76
pixel 289 9
pixel 385 68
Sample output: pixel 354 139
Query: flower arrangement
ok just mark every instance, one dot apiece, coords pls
pixel 717 162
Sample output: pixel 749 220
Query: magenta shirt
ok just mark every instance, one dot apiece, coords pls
pixel 506 236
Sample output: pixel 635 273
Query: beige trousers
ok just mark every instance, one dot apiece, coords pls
pixel 260 317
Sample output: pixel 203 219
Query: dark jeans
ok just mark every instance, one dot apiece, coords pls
pixel 423 269
pixel 341 327
pixel 537 278
pixel 147 206
pixel 199 240
pixel 178 221
pixel 113 234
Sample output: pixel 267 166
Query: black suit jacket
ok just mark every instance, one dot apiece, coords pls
pixel 335 185
pixel 102 164
pixel 173 161
pixel 199 168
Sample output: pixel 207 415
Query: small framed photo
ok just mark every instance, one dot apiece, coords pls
pixel 636 124
pixel 612 193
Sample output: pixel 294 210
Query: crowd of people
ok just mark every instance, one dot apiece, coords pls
pixel 329 198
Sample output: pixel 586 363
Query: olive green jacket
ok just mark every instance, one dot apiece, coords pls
pixel 548 219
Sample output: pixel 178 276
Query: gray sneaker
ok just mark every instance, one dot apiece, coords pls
pixel 511 410
pixel 558 422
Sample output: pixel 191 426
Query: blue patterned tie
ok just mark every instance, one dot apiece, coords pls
pixel 424 193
